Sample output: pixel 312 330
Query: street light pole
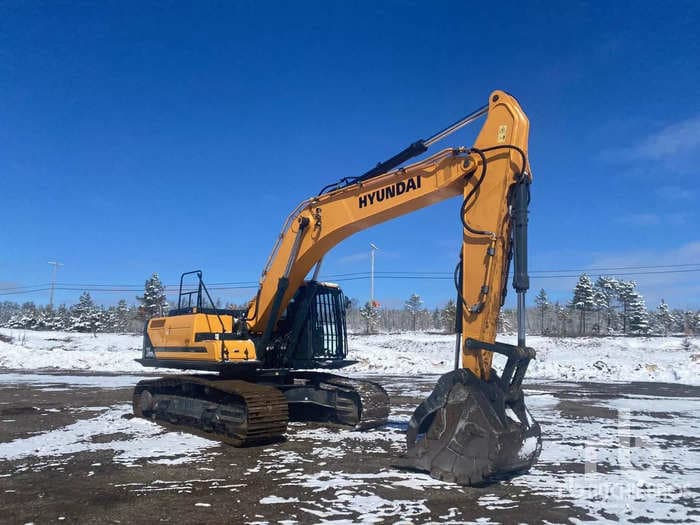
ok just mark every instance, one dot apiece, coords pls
pixel 371 273
pixel 53 280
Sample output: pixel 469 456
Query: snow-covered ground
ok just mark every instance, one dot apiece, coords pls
pixel 145 440
pixel 573 359
pixel 627 455
pixel 616 454
pixel 36 350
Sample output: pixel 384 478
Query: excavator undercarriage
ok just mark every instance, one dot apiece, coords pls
pixel 243 413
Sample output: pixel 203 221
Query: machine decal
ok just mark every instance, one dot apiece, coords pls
pixel 388 192
pixel 502 129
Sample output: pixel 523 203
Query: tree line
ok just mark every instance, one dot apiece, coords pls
pixel 608 306
pixel 86 315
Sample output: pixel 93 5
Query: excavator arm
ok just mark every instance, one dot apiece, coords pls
pixel 474 426
pixel 484 175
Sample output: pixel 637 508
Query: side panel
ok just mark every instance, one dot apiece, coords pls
pixel 197 337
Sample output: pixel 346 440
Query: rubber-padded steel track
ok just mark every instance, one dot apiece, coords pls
pixel 233 411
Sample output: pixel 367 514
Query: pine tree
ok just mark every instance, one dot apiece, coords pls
pixel 26 317
pixel 690 322
pixel 678 325
pixel 436 319
pixel 98 320
pixel 664 318
pixel 121 317
pixel 62 319
pixel 448 316
pixel 583 300
pixel 626 294
pixel 600 304
pixel 605 296
pixel 82 314
pixel 542 302
pixel 413 306
pixel 370 313
pixel 57 319
pixel 8 310
pixel 43 318
pixel 637 315
pixel 563 318
pixel 109 319
pixel 153 302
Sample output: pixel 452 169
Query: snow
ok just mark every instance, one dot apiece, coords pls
pixel 271 500
pixel 45 350
pixel 528 448
pixel 74 381
pixel 636 460
pixel 412 353
pixel 493 502
pixel 635 466
pixel 132 440
pixel 34 350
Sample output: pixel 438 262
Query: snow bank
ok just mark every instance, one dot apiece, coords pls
pixel 580 359
pixel 41 350
pixel 33 350
pixel 575 359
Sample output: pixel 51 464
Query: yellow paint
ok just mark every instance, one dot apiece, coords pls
pixel 179 331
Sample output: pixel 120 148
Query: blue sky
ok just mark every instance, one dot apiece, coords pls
pixel 137 138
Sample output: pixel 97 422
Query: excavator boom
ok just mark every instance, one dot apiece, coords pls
pixel 475 425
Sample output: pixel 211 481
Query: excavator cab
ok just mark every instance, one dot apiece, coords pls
pixel 314 326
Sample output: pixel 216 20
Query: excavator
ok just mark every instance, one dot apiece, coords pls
pixel 273 359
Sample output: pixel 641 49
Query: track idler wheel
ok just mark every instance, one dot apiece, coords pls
pixel 466 432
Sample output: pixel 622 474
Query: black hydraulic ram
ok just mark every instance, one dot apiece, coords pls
pixel 420 146
pixel 521 280
pixel 415 149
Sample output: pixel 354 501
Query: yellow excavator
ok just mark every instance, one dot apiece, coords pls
pixel 474 427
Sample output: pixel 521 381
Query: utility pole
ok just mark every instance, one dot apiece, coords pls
pixel 371 273
pixel 53 280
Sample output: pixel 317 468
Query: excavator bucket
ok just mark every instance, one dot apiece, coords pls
pixel 470 431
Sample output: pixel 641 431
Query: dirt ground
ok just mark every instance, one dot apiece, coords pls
pixel 68 454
